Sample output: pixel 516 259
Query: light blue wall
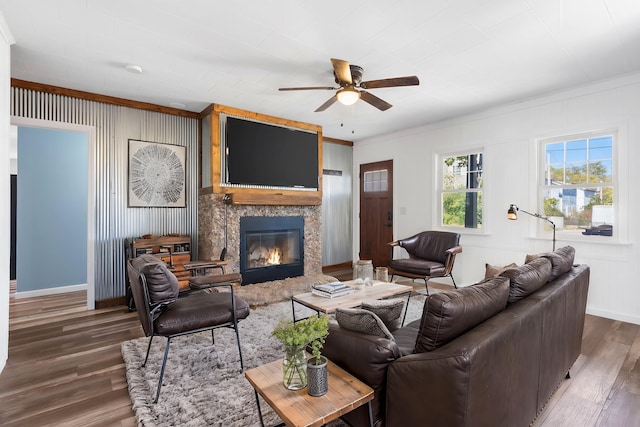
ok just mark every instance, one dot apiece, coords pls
pixel 52 209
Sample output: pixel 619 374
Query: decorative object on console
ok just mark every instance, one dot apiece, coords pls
pixel 331 290
pixel 363 269
pixel 512 214
pixel 156 175
pixel 382 274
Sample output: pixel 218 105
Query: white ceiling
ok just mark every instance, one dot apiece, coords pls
pixel 468 54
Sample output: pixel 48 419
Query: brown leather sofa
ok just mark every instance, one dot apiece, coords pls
pixel 489 354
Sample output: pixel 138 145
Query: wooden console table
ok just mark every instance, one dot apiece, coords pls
pixel 297 407
pixel 173 250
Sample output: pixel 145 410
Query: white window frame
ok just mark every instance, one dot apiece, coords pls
pixel 619 182
pixel 439 160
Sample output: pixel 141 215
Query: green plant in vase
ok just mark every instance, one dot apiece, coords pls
pixel 296 336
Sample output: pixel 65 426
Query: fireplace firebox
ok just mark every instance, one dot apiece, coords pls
pixel 271 248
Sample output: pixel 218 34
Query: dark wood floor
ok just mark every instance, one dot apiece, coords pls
pixel 65 369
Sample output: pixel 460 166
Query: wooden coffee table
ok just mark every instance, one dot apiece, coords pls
pixel 297 407
pixel 379 290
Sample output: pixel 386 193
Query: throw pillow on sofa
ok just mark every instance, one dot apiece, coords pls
pixel 494 270
pixel 388 310
pixel 561 260
pixel 447 315
pixel 527 278
pixel 162 284
pixel 363 321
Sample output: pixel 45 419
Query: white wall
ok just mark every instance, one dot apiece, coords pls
pixel 6 40
pixel 507 135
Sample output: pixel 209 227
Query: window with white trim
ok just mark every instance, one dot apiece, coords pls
pixel 461 190
pixel 577 183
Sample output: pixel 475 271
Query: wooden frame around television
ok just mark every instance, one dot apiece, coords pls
pixel 260 196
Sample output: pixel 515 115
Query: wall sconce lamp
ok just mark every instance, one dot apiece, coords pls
pixel 512 214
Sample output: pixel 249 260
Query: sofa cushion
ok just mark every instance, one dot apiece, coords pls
pixel 561 260
pixel 363 321
pixel 388 310
pixel 494 270
pixel 527 278
pixel 447 315
pixel 162 284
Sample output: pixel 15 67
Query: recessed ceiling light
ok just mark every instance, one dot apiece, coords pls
pixel 178 105
pixel 133 68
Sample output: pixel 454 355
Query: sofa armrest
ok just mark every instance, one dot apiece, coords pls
pixel 367 357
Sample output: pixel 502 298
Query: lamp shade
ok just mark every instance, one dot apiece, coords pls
pixel 512 212
pixel 348 96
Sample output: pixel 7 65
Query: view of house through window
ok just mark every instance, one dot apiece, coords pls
pixel 461 190
pixel 578 183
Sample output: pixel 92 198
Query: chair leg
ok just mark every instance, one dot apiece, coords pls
pixel 213 338
pixel 235 327
pixel 164 363
pixel 453 280
pixel 426 280
pixel 148 348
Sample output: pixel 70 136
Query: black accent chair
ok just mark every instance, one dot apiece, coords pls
pixel 155 292
pixel 431 254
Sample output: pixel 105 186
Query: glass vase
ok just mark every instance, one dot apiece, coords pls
pixel 294 367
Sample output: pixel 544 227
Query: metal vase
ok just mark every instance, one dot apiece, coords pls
pixel 317 377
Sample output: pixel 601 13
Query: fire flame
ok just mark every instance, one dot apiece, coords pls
pixel 274 256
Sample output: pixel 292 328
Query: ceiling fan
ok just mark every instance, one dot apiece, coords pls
pixel 349 79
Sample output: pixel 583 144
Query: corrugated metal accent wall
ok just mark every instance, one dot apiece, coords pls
pixel 337 203
pixel 114 221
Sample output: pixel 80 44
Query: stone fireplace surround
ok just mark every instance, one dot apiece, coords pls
pixel 211 240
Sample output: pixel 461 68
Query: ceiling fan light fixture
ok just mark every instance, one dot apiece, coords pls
pixel 348 96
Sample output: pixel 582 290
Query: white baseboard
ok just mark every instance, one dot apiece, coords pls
pixel 51 291
pixel 614 315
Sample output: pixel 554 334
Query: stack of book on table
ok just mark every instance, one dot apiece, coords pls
pixel 331 290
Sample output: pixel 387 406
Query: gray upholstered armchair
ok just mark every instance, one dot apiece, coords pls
pixel 431 254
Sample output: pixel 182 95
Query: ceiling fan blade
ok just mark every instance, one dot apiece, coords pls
pixel 327 104
pixel 380 104
pixel 310 88
pixel 396 81
pixel 342 70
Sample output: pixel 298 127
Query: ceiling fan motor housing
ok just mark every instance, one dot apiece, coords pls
pixel 356 76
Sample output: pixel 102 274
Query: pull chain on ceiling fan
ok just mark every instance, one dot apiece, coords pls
pixel 349 79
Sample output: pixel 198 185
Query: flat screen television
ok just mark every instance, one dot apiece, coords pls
pixel 263 155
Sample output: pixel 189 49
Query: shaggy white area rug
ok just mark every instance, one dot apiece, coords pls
pixel 203 384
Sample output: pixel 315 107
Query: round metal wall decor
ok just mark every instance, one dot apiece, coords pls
pixel 156 174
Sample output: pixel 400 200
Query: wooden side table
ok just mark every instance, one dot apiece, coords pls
pixel 297 408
